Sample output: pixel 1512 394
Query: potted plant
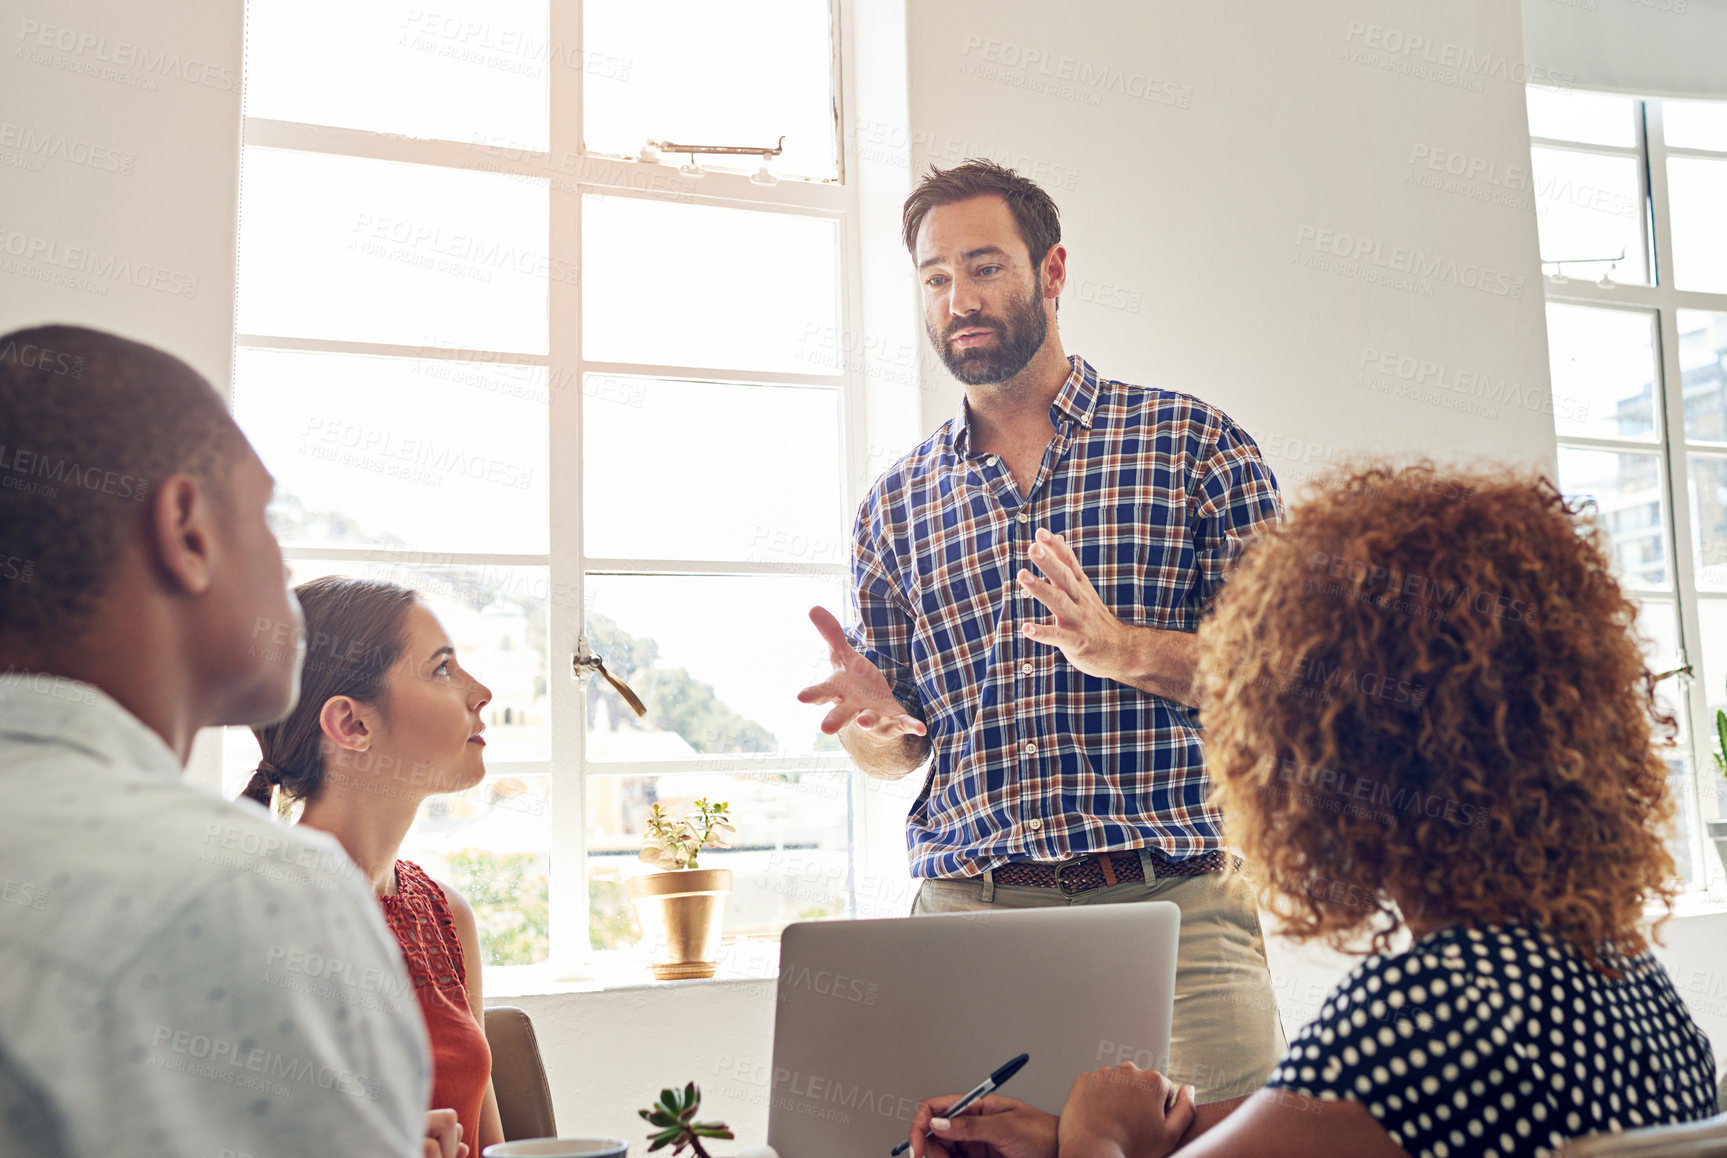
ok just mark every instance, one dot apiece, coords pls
pixel 681 908
pixel 674 1120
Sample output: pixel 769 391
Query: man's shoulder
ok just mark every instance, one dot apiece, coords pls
pixel 103 869
pixel 171 936
pixel 913 468
pixel 1159 406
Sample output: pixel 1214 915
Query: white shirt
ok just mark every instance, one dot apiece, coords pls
pixel 179 974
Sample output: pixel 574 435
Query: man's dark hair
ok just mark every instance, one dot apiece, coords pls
pixel 1038 219
pixel 90 424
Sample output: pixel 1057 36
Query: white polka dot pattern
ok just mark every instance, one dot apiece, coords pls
pixel 1502 1041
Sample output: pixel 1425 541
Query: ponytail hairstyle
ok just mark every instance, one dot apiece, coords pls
pixel 355 632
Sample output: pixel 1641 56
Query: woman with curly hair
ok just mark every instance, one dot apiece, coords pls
pixel 1430 726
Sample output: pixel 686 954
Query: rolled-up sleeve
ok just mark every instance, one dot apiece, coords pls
pixel 881 620
pixel 1235 499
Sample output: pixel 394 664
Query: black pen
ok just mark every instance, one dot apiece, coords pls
pixel 988 1086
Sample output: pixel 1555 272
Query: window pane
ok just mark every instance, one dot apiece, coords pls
pixel 374 251
pixel 1695 124
pixel 776 448
pixel 790 860
pixel 1709 518
pixel 718 660
pixel 496 620
pixel 1680 843
pixel 493 843
pixel 1590 208
pixel 1658 630
pixel 460 70
pixel 1712 617
pixel 1626 489
pixel 1603 368
pixel 1696 191
pixel 694 285
pixel 1703 370
pixel 399 452
pixel 1592 118
pixel 714 74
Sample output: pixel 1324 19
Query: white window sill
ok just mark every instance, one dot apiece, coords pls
pixel 758 960
pixel 1695 905
pixel 751 961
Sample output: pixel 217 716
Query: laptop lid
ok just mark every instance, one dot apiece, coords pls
pixel 874 1015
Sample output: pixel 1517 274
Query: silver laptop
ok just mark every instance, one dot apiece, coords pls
pixel 874 1016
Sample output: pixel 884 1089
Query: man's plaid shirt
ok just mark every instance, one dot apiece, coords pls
pixel 1157 493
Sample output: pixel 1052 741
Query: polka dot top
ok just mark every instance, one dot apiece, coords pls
pixel 1503 1041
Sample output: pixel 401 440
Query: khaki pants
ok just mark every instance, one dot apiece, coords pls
pixel 1227 1035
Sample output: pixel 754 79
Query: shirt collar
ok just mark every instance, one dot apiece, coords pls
pixel 1077 399
pixel 52 709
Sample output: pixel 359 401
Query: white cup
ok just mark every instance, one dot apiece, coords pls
pixel 560 1148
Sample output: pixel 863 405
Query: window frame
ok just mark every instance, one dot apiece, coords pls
pixel 1662 300
pixel 568 565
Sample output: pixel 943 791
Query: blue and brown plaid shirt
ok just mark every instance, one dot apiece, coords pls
pixel 1157 493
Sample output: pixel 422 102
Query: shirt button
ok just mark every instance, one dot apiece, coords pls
pixel 1023 517
pixel 1034 825
pixel 1030 748
pixel 990 461
pixel 1026 669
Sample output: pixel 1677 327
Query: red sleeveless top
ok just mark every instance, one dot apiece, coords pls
pixel 461 1060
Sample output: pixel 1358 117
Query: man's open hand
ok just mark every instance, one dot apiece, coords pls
pixel 1086 631
pixel 858 691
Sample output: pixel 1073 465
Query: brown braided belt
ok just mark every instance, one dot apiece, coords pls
pixel 1102 870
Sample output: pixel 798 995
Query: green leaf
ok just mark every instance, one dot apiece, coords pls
pixel 1721 738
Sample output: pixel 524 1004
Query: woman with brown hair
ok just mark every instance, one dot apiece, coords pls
pixel 386 717
pixel 1429 725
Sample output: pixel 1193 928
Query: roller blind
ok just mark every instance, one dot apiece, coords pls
pixel 1672 48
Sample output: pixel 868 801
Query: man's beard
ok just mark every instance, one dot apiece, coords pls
pixel 1017 340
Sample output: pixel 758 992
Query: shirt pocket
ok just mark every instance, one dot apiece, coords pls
pixel 1139 558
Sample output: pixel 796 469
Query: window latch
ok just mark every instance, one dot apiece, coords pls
pixel 584 663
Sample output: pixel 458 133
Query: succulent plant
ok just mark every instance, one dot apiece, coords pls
pixel 675 844
pixel 673 1117
pixel 1721 742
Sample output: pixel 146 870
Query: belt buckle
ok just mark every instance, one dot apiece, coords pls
pixel 1061 877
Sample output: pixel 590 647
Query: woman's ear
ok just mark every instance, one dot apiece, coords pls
pixel 346 723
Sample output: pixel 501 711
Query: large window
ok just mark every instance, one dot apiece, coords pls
pixel 1634 244
pixel 582 399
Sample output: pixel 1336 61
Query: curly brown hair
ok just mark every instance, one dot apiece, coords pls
pixel 1423 699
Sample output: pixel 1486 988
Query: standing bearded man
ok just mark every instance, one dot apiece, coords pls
pixel 1026 585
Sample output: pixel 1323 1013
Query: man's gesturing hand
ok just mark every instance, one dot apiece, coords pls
pixel 1087 632
pixel 859 693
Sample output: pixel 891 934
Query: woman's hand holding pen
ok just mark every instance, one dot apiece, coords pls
pixel 993 1127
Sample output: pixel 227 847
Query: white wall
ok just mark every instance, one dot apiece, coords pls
pixel 1258 142
pixel 120 157
pixel 120 164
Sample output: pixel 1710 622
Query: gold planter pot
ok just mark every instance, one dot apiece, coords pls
pixel 681 912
